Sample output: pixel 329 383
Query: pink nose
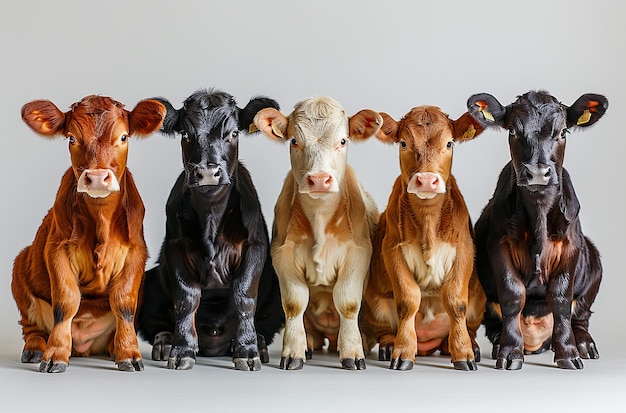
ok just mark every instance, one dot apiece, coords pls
pixel 98 180
pixel 426 182
pixel 319 182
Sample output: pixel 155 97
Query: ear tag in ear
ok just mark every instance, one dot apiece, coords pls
pixel 252 128
pixel 584 118
pixel 276 131
pixel 469 133
pixel 482 107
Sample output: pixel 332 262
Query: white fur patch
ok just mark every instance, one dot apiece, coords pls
pixel 429 274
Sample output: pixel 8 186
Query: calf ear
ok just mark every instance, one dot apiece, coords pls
pixel 486 110
pixel 247 114
pixel 44 118
pixel 272 123
pixel 586 110
pixel 388 132
pixel 146 118
pixel 365 124
pixel 466 128
pixel 171 117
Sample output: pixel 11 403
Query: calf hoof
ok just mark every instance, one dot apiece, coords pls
pixel 130 365
pixel 182 363
pixel 31 356
pixel 352 364
pixel 469 365
pixel 288 363
pixel 399 364
pixel 384 353
pixel 477 355
pixel 51 367
pixel 570 364
pixel 308 353
pixel 586 350
pixel 509 364
pixel 495 349
pixel 264 353
pixel 252 364
pixel 162 346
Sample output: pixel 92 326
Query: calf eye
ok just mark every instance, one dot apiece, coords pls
pixel 71 139
pixel 403 145
pixel 450 144
pixel 511 132
pixel 185 136
pixel 124 137
pixel 233 135
pixel 294 142
pixel 343 142
pixel 564 132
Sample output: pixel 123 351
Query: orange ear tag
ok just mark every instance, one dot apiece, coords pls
pixel 584 118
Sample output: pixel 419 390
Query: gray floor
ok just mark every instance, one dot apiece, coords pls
pixel 94 385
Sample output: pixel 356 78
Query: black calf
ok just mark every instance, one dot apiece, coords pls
pixel 214 291
pixel 540 273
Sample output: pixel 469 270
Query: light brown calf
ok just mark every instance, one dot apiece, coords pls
pixel 77 285
pixel 323 221
pixel 423 293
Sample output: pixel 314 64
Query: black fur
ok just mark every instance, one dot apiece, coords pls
pixel 214 291
pixel 524 221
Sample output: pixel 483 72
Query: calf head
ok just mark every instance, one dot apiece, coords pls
pixel 209 124
pixel 537 124
pixel 97 129
pixel 426 137
pixel 318 131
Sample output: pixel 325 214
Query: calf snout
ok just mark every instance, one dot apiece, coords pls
pixel 209 175
pixel 319 182
pixel 98 183
pixel 426 185
pixel 539 174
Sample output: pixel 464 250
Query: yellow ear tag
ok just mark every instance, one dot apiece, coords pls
pixel 488 115
pixel 469 133
pixel 276 131
pixel 252 128
pixel 584 118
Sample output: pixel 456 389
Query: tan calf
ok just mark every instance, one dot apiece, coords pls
pixel 321 244
pixel 423 293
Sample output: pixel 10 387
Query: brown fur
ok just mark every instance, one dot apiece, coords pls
pixel 76 286
pixel 405 308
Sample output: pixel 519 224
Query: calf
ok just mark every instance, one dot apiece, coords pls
pixel 76 286
pixel 214 291
pixel 423 293
pixel 323 221
pixel 540 273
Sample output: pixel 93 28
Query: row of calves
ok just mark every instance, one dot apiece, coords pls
pixel 415 279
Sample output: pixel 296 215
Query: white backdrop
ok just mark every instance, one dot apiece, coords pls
pixel 385 55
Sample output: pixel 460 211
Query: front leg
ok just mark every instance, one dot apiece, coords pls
pixel 65 303
pixel 245 288
pixel 512 296
pixel 183 265
pixel 560 296
pixel 123 297
pixel 347 295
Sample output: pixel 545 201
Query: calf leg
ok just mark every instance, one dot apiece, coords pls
pixel 347 295
pixel 559 295
pixel 34 331
pixel 295 297
pixel 455 300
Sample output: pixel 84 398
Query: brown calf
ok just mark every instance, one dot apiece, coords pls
pixel 423 293
pixel 76 286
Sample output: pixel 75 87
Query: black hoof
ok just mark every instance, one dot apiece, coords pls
pixel 288 363
pixel 30 356
pixel 399 364
pixel 352 364
pixel 570 364
pixel 588 350
pixel 505 364
pixel 183 363
pixel 162 346
pixel 384 353
pixel 252 364
pixel 477 355
pixel 469 365
pixel 264 353
pixel 494 351
pixel 308 354
pixel 50 367
pixel 130 365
